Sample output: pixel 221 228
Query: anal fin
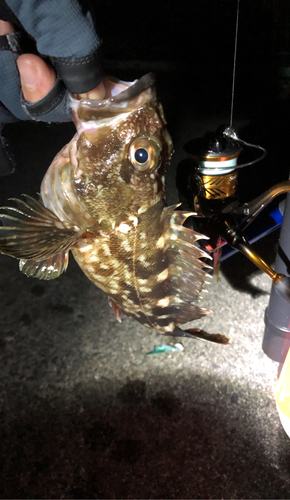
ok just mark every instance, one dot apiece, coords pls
pixel 47 269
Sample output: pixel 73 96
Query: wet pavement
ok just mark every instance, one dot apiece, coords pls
pixel 86 414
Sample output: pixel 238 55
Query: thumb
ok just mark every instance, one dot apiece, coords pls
pixel 37 77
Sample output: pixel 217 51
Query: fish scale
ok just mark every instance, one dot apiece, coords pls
pixel 103 198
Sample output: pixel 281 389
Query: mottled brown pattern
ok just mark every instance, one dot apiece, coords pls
pixel 141 260
pixel 105 172
pixel 110 206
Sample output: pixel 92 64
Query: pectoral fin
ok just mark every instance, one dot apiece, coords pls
pixel 48 269
pixel 32 231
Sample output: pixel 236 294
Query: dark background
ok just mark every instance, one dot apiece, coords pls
pixel 190 48
pixel 84 414
pixel 196 39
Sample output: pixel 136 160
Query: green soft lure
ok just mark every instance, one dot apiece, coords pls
pixel 166 348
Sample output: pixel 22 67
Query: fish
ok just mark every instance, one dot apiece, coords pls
pixel 103 199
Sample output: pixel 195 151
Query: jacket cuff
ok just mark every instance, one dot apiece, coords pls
pixel 54 107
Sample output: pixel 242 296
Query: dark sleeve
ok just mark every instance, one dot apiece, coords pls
pixel 64 31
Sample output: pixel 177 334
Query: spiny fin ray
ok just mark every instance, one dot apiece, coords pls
pixel 32 206
pixel 186 276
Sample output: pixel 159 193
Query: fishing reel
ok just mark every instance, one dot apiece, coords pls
pixel 207 182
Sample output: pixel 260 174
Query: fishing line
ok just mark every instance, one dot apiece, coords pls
pixel 235 62
pixel 230 131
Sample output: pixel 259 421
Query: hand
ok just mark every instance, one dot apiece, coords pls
pixel 36 85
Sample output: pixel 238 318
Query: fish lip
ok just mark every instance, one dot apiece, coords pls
pixel 120 100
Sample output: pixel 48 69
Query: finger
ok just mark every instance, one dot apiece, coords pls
pixel 98 92
pixel 39 95
pixel 6 28
pixel 104 90
pixel 10 88
pixel 64 30
pixel 37 78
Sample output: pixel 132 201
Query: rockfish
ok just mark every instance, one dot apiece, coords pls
pixel 103 198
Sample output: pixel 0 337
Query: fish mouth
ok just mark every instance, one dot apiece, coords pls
pixel 133 96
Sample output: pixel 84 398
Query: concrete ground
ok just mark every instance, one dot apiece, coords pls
pixel 86 414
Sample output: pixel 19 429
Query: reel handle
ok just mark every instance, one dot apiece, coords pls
pixel 236 239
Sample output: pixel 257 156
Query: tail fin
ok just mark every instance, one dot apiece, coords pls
pixel 196 333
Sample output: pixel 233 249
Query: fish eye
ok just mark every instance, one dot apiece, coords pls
pixel 144 154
